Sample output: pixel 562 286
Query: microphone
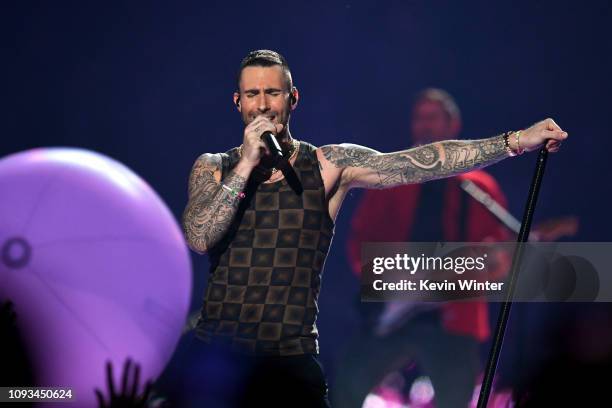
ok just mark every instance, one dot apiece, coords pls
pixel 278 161
pixel 276 153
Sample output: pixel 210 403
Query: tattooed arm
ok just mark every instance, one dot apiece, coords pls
pixel 211 208
pixel 363 167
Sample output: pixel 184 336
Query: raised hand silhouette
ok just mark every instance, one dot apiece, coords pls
pixel 128 396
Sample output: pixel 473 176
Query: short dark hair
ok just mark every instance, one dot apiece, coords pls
pixel 443 98
pixel 265 58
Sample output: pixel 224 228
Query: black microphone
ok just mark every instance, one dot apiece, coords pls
pixel 278 160
pixel 276 153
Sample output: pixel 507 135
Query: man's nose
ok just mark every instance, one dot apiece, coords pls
pixel 263 105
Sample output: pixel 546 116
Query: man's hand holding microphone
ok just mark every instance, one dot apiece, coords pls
pixel 253 146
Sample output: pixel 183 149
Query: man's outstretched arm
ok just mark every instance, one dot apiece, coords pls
pixel 211 206
pixel 364 167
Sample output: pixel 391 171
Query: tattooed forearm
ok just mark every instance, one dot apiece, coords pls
pixel 368 168
pixel 211 208
pixel 461 156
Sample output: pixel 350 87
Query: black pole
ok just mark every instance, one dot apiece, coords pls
pixel 504 313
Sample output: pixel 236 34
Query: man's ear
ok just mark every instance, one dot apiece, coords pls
pixel 294 97
pixel 237 101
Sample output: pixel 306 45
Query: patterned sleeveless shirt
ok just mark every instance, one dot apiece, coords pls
pixel 265 274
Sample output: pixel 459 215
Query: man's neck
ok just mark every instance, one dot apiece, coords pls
pixel 284 136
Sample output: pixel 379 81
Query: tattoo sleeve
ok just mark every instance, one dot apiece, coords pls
pixel 368 168
pixel 211 208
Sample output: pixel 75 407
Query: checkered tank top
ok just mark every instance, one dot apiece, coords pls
pixel 266 272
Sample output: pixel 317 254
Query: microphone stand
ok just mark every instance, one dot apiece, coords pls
pixel 504 314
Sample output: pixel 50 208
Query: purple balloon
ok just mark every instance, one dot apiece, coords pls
pixel 95 264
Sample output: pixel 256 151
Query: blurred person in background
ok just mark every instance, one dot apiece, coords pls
pixel 444 338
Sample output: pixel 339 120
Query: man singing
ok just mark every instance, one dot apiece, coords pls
pixel 267 242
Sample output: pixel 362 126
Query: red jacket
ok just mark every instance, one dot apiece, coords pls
pixel 392 212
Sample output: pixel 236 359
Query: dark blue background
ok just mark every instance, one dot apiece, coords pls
pixel 150 84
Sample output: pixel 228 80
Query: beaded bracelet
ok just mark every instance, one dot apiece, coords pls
pixel 517 135
pixel 506 136
pixel 234 193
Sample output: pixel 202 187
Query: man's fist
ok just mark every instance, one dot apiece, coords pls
pixel 532 138
pixel 253 148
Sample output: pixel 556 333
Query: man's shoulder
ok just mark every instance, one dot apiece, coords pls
pixel 209 161
pixel 210 157
pixel 216 161
pixel 309 147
